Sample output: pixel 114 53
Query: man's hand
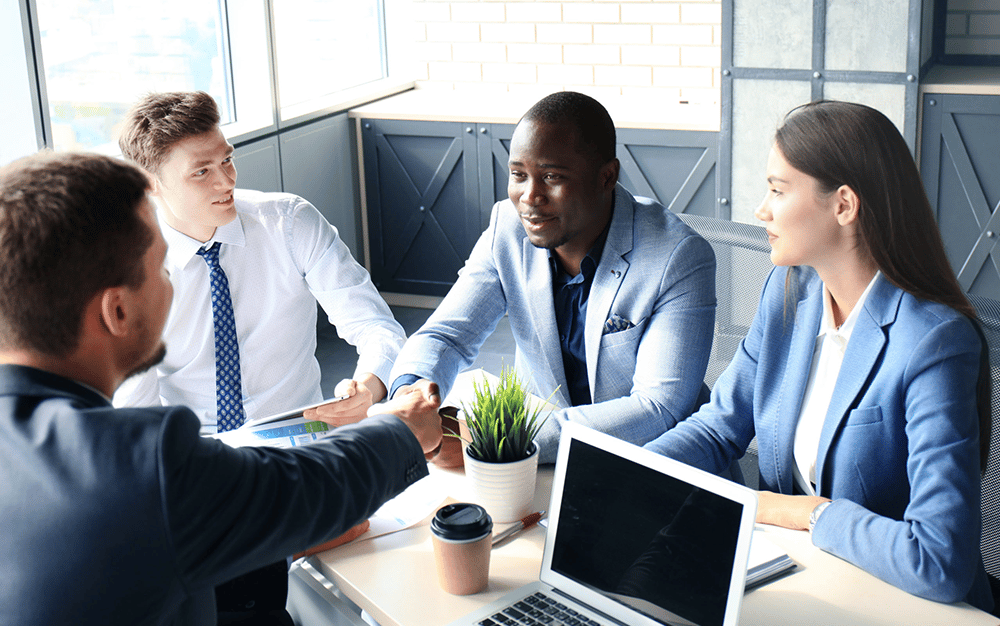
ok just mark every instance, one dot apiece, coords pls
pixel 786 511
pixel 417 405
pixel 359 396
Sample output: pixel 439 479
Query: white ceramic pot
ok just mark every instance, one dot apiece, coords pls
pixel 505 490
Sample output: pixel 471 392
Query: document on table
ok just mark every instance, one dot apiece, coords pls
pixel 767 560
pixel 286 433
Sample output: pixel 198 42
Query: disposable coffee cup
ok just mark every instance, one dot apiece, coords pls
pixel 462 534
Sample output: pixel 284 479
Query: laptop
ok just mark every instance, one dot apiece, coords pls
pixel 633 538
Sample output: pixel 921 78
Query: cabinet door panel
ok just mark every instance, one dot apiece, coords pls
pixel 420 180
pixel 960 155
pixel 676 168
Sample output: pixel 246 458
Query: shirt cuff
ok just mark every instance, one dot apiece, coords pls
pixel 402 381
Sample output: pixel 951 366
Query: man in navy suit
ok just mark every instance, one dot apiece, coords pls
pixel 128 516
pixel 611 298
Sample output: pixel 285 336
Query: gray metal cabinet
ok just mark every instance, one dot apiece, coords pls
pixel 430 186
pixel 428 198
pixel 959 162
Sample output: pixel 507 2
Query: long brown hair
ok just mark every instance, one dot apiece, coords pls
pixel 843 143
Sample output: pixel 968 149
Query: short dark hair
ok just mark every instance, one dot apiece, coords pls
pixel 594 126
pixel 844 143
pixel 155 124
pixel 69 227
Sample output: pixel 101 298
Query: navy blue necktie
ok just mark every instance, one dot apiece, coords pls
pixel 228 386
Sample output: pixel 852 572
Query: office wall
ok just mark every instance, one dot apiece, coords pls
pixel 973 27
pixel 664 50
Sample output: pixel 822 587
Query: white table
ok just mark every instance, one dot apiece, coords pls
pixel 393 578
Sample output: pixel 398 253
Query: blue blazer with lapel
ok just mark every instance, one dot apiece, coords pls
pixel 899 450
pixel 655 273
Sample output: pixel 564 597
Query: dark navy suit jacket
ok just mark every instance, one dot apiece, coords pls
pixel 128 516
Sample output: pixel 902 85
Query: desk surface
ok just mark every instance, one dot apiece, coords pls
pixel 393 578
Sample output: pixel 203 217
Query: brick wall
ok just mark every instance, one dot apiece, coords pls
pixel 664 50
pixel 973 27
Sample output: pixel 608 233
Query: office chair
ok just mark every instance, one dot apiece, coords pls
pixel 743 261
pixel 989 544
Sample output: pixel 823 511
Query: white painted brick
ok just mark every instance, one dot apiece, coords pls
pixel 653 96
pixel 508 33
pixel 654 13
pixel 418 32
pixel 452 32
pixel 682 77
pixel 622 33
pixel 599 93
pixel 565 33
pixel 534 12
pixel 477 12
pixel 455 71
pixel 534 53
pixel 566 74
pixel 533 92
pixel 683 35
pixel 433 51
pixel 622 75
pixel 700 96
pixel 701 13
pixel 651 55
pixel 957 24
pixel 482 87
pixel 480 52
pixel 982 24
pixel 592 54
pixel 695 56
pixel 510 72
pixel 432 12
pixel 419 70
pixel 591 13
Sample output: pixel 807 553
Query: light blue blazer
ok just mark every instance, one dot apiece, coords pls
pixel 899 450
pixel 655 273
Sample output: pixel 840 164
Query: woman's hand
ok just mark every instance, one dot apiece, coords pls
pixel 786 511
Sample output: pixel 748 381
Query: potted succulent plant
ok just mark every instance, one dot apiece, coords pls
pixel 501 458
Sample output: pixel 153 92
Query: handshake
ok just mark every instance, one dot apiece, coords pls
pixel 417 405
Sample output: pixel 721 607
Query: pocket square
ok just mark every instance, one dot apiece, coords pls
pixel 616 324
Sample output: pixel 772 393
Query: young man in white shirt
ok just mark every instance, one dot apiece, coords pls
pixel 280 256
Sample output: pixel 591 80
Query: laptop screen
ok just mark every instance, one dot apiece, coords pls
pixel 659 545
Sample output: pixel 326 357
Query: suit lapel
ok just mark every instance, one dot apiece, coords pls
pixel 538 286
pixel 608 278
pixel 808 313
pixel 866 344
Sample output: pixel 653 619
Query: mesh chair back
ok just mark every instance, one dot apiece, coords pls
pixel 743 261
pixel 989 317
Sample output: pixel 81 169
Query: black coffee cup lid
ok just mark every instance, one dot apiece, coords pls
pixel 461 521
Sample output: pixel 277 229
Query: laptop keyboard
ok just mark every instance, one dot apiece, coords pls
pixel 539 609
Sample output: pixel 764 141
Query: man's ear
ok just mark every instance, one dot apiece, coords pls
pixel 848 205
pixel 155 186
pixel 115 310
pixel 609 173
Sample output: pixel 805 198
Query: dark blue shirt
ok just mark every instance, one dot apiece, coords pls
pixel 570 295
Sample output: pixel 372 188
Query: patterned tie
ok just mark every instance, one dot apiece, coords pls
pixel 228 387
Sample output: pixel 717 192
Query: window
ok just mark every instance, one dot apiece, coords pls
pixel 100 56
pixel 325 47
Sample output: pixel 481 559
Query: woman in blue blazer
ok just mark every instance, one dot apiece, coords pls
pixel 864 375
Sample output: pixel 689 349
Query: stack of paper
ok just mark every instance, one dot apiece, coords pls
pixel 767 560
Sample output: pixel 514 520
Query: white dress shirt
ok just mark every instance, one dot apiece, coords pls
pixel 828 356
pixel 280 256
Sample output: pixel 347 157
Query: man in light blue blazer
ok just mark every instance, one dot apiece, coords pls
pixel 611 298
pixel 899 450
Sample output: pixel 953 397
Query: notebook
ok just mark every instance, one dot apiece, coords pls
pixel 633 538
